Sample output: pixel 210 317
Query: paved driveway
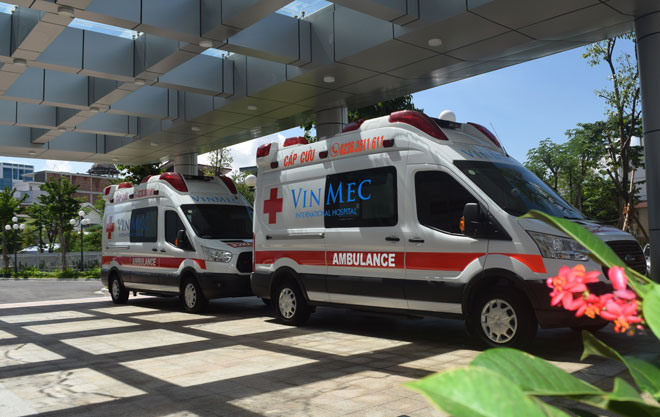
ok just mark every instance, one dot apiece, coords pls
pixel 90 357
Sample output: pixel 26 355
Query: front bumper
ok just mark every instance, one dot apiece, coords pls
pixel 217 285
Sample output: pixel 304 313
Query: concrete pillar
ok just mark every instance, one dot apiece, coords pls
pixel 647 29
pixel 186 164
pixel 330 122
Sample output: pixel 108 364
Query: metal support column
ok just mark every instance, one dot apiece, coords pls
pixel 329 122
pixel 647 29
pixel 186 164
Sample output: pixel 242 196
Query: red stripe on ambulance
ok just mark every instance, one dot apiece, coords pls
pixel 149 261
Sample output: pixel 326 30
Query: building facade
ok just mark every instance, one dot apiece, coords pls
pixel 13 172
pixel 90 187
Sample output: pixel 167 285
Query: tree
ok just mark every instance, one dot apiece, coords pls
pixel 218 159
pixel 135 173
pixel 43 222
pixel 60 206
pixel 623 118
pixel 382 108
pixel 242 188
pixel 546 160
pixel 9 207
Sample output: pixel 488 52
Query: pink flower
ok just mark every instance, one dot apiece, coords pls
pixel 592 305
pixel 619 282
pixel 622 313
pixel 618 277
pixel 569 281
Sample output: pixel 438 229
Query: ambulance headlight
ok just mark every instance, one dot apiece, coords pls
pixel 558 247
pixel 216 255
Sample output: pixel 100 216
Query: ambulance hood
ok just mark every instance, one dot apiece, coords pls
pixel 604 232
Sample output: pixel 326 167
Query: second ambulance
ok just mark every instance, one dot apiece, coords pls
pixel 172 235
pixel 419 216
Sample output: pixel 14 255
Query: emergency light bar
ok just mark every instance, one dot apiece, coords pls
pixel 420 121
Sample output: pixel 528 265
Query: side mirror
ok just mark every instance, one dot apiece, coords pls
pixel 182 240
pixel 471 219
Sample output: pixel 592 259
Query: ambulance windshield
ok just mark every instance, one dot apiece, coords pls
pixel 515 189
pixel 218 221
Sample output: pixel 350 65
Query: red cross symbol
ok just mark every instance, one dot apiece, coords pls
pixel 110 227
pixel 272 206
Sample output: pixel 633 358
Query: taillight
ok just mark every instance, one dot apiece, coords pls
pixel 229 183
pixel 420 121
pixel 145 179
pixel 298 140
pixel 263 150
pixel 106 190
pixel 124 185
pixel 353 126
pixel 175 180
pixel 486 132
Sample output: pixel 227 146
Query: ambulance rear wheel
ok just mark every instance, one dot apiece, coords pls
pixel 118 292
pixel 502 317
pixel 290 304
pixel 192 296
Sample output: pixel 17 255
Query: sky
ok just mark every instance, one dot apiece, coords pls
pixel 522 104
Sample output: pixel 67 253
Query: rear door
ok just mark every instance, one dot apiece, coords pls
pixel 440 259
pixel 364 243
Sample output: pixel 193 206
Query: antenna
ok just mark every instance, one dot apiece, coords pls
pixel 498 138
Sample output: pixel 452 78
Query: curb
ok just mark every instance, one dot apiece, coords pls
pixel 50 279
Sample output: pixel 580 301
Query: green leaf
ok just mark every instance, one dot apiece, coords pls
pixel 593 346
pixel 599 250
pixel 651 309
pixel 474 391
pixel 535 375
pixel 623 391
pixel 646 373
pixel 633 409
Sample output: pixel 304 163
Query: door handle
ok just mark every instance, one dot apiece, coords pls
pixel 154 249
pixel 392 239
pixel 163 250
pixel 416 240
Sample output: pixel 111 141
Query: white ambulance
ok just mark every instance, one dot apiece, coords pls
pixel 172 235
pixel 418 216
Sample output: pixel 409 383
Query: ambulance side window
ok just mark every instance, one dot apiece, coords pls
pixel 172 226
pixel 365 198
pixel 144 224
pixel 440 201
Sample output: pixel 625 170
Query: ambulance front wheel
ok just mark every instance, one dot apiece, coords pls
pixel 118 292
pixel 502 317
pixel 192 296
pixel 290 304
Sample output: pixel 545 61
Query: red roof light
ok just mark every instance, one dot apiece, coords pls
pixel 263 150
pixel 145 179
pixel 420 121
pixel 353 126
pixel 175 180
pixel 298 140
pixel 124 185
pixel 486 132
pixel 229 183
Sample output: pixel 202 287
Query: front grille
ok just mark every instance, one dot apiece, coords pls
pixel 630 253
pixel 244 262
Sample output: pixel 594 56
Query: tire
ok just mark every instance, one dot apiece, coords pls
pixel 118 292
pixel 502 317
pixel 290 305
pixel 192 297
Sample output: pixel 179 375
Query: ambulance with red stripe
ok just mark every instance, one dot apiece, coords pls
pixel 418 216
pixel 174 235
